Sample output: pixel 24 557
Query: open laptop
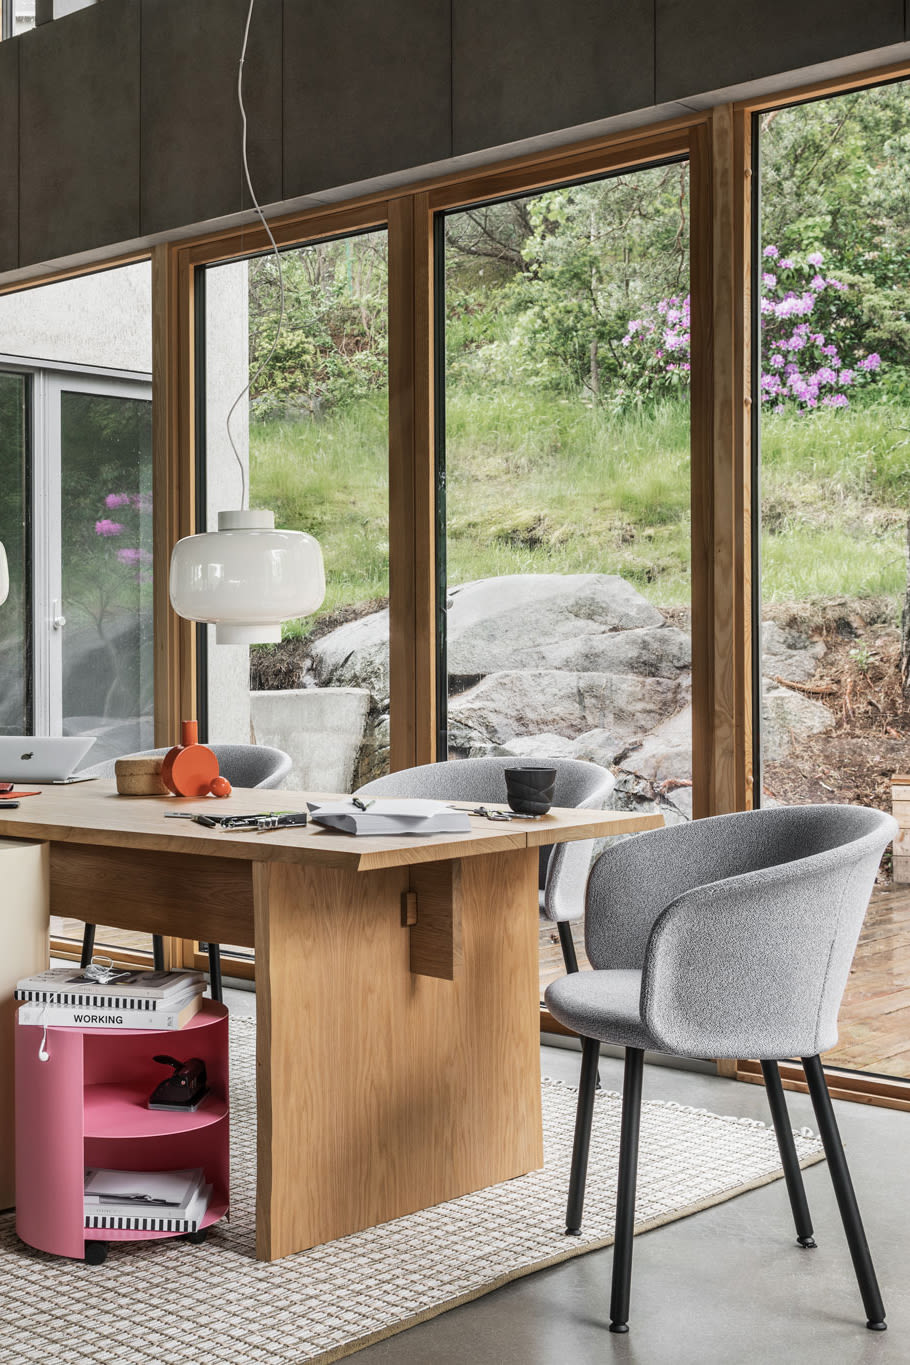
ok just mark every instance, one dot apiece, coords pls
pixel 27 758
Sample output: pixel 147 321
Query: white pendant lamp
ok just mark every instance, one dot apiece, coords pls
pixel 4 575
pixel 246 577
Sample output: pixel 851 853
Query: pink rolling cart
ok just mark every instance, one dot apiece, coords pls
pixel 86 1106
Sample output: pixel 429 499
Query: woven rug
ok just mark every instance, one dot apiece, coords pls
pixel 169 1302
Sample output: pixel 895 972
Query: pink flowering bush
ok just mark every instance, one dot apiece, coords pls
pixel 804 342
pixel 134 506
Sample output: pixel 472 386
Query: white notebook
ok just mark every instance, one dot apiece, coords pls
pixel 401 816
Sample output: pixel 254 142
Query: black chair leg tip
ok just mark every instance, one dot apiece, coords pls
pixel 809 1243
pixel 619 1327
pixel 573 1232
pixel 877 1326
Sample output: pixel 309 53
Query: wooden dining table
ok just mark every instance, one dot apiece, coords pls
pixel 397 1003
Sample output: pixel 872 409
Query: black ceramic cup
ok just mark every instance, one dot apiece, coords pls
pixel 529 791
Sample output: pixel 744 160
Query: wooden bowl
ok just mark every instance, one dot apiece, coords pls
pixel 140 776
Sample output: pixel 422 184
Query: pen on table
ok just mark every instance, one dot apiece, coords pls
pixel 361 805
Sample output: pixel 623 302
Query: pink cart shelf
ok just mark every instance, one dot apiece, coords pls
pixel 85 1106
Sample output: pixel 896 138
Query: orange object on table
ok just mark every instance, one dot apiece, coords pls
pixel 190 768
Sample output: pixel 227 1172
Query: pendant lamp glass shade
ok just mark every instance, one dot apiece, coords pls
pixel 246 578
pixel 4 575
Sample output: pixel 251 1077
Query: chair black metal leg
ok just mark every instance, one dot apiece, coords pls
pixel 846 1198
pixel 88 945
pixel 215 971
pixel 590 1051
pixel 567 943
pixel 789 1160
pixel 158 952
pixel 569 957
pixel 625 1199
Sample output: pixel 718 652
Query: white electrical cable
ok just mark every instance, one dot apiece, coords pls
pixel 262 218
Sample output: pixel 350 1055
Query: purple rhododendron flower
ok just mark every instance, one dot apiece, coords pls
pixel 768 280
pixel 777 361
pixel 846 376
pixel 826 375
pixel 785 265
pixel 836 400
pixel 133 557
pixel 815 258
pixel 117 500
pixel 771 252
pixel 871 362
pixel 817 282
pixel 106 527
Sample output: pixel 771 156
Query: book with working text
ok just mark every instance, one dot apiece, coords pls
pixel 79 1016
pixel 403 816
pixel 146 1201
pixel 137 989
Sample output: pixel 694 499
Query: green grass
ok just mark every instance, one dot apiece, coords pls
pixel 542 484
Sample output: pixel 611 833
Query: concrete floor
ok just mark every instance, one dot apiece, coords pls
pixel 725 1285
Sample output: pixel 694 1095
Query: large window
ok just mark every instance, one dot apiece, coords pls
pixel 312 442
pixel 15 643
pixel 76 518
pixel 566 484
pixel 834 378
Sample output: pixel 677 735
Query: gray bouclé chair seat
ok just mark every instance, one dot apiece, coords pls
pixel 740 930
pixel 726 937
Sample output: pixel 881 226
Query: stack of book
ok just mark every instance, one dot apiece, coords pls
pixel 68 997
pixel 146 1201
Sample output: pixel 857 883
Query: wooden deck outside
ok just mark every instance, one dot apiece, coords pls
pixel 874 1018
pixel 875 1015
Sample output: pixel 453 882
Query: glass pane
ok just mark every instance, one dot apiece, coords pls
pixel 567 485
pixel 106 486
pixel 313 441
pixel 14 614
pixel 835 478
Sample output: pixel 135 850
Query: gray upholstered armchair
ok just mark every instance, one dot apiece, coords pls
pixel 244 765
pixel 564 869
pixel 727 937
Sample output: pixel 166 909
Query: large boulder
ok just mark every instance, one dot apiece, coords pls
pixel 355 655
pixel 665 753
pixel 789 653
pixel 542 621
pixel 787 716
pixel 508 704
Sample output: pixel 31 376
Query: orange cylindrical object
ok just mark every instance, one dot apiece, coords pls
pixel 189 768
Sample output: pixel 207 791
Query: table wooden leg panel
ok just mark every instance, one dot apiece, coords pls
pixel 381 1092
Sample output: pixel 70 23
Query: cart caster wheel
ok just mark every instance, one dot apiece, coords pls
pixel 95 1253
pixel 197 1237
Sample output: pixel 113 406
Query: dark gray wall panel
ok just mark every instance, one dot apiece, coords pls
pixel 715 43
pixel 366 89
pixel 9 155
pixel 526 67
pixel 191 168
pixel 79 132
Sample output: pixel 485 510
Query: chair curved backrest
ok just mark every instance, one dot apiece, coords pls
pixel 744 926
pixel 586 786
pixel 244 765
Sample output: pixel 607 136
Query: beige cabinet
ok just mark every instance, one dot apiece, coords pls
pixel 23 949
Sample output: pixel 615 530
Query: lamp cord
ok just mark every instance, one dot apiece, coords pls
pixel 262 218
